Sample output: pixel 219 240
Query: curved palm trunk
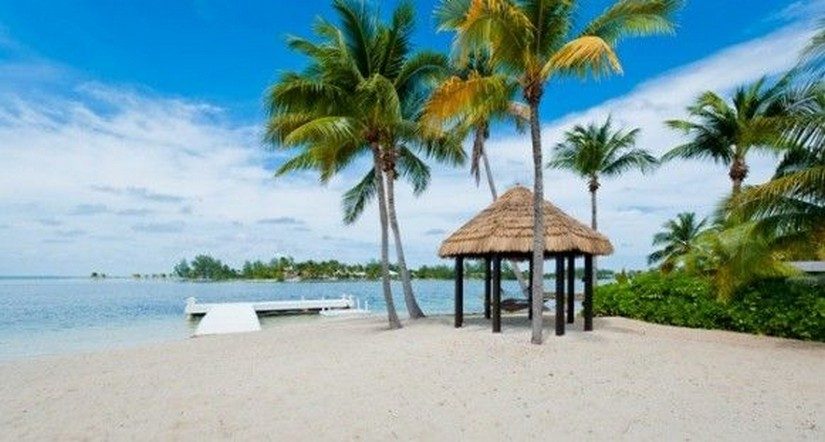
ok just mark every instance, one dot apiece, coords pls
pixel 537 284
pixel 392 315
pixel 479 142
pixel 409 298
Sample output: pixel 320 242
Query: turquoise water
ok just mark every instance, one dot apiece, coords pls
pixel 59 315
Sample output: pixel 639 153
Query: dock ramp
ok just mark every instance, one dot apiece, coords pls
pixel 228 318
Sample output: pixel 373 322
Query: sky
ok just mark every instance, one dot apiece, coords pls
pixel 130 134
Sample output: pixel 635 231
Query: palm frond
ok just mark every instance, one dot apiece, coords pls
pixel 635 159
pixel 305 160
pixel 500 25
pixel 412 169
pixel 588 54
pixel 634 18
pixel 358 28
pixel 424 67
pixel 477 98
pixel 333 127
pixel 355 200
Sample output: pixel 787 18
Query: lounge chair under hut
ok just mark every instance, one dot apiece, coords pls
pixel 504 231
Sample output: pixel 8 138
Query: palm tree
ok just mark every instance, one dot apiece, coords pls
pixel 459 98
pixel 595 151
pixel 533 40
pixel 726 133
pixel 790 208
pixel 353 100
pixel 677 240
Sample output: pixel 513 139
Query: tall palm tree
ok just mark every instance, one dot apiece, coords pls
pixel 726 132
pixel 351 101
pixel 677 240
pixel 790 208
pixel 597 151
pixel 458 98
pixel 534 41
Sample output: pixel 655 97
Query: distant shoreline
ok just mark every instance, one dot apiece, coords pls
pixel 252 280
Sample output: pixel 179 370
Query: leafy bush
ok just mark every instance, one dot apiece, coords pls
pixel 789 308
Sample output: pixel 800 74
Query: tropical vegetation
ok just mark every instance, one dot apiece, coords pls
pixel 597 151
pixel 727 132
pixel 368 100
pixel 677 239
pixel 536 41
pixel 779 307
pixel 361 96
pixel 284 268
pixel 475 96
pixel 735 273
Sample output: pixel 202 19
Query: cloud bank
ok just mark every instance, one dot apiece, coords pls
pixel 107 178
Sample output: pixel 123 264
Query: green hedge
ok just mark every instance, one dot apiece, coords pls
pixel 787 308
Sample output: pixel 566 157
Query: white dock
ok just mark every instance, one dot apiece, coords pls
pixel 353 311
pixel 238 317
pixel 228 318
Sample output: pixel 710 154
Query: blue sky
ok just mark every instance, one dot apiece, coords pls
pixel 130 131
pixel 226 52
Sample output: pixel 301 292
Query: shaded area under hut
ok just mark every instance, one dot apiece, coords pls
pixel 504 230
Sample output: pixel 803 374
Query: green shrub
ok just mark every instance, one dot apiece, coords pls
pixel 787 308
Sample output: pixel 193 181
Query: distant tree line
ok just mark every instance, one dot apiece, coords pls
pixel 207 268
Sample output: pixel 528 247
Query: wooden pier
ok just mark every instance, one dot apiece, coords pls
pixel 239 317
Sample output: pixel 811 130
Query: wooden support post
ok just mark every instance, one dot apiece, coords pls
pixel 530 293
pixel 571 288
pixel 459 291
pixel 487 285
pixel 497 294
pixel 559 295
pixel 588 292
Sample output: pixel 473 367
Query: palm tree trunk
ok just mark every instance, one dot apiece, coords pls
pixel 392 315
pixel 538 218
pixel 594 223
pixel 479 141
pixel 409 298
pixel 489 173
pixel 738 173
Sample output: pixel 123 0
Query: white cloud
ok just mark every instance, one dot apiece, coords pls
pixel 153 179
pixel 197 183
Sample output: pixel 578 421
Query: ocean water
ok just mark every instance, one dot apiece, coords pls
pixel 45 316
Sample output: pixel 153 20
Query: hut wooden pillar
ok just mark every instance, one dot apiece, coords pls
pixel 559 295
pixel 571 288
pixel 530 291
pixel 459 291
pixel 496 294
pixel 487 286
pixel 588 292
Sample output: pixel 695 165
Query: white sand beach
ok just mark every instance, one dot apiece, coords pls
pixel 348 379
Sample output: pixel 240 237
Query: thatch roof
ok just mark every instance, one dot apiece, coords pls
pixel 506 227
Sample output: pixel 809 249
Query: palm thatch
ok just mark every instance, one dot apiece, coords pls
pixel 506 227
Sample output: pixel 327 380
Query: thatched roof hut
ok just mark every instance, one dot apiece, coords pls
pixel 506 228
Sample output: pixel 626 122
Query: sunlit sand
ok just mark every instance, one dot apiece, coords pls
pixel 335 379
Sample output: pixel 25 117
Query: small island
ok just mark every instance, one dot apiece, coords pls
pixel 208 268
